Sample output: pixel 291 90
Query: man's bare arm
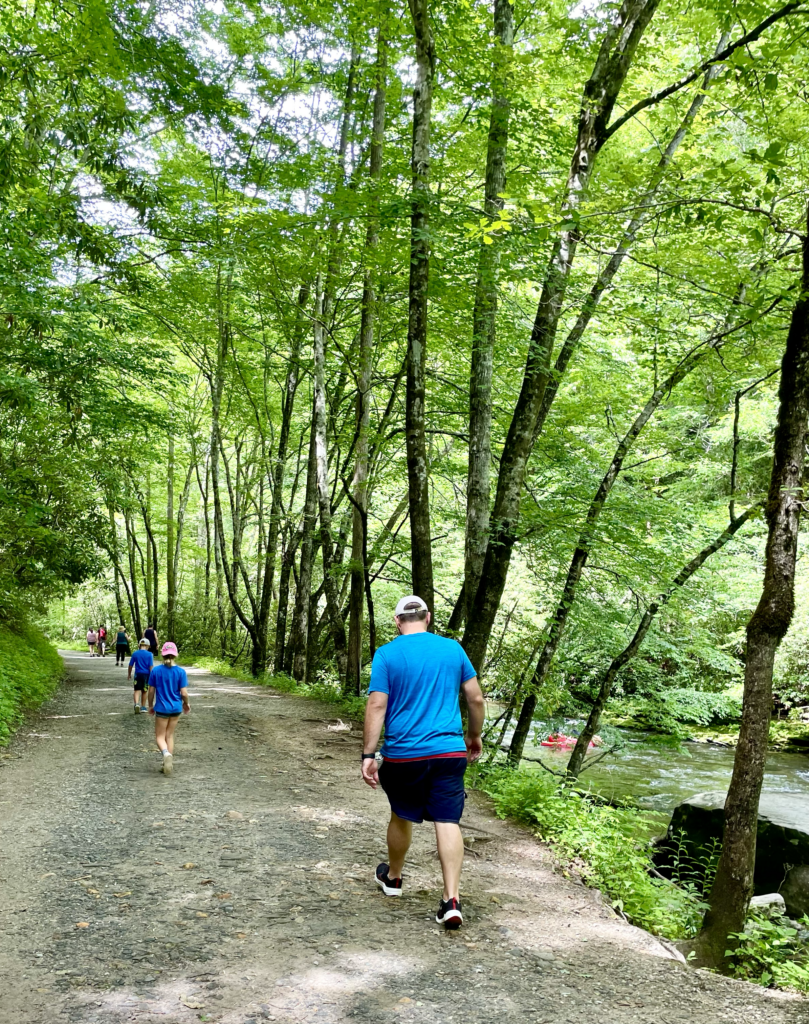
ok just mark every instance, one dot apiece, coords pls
pixel 375 709
pixel 477 713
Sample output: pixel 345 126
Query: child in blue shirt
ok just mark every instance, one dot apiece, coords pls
pixel 142 662
pixel 168 698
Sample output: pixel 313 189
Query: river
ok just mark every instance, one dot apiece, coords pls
pixel 659 777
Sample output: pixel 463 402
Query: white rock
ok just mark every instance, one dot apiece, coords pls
pixel 772 899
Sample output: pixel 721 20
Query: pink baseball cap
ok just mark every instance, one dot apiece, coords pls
pixel 169 648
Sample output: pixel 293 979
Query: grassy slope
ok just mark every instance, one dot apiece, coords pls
pixel 30 670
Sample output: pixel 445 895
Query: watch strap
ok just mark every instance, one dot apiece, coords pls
pixel 366 756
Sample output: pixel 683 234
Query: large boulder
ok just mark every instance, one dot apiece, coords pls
pixel 782 845
pixel 795 890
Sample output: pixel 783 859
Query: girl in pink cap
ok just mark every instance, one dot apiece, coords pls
pixel 168 699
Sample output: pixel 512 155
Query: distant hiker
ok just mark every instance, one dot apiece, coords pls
pixel 142 661
pixel 92 639
pixel 121 645
pixel 415 682
pixel 168 698
pixel 102 641
pixel 150 635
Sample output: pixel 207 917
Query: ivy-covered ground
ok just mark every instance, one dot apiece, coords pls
pixel 30 670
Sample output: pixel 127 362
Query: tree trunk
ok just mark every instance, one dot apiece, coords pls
pixel 279 469
pixel 630 651
pixel 485 314
pixel 229 568
pixel 300 622
pixel 279 655
pixel 206 523
pixel 323 492
pixel 733 884
pixel 359 532
pixel 119 575
pixel 417 468
pixel 600 94
pixel 133 582
pixel 171 565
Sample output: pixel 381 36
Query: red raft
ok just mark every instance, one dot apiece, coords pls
pixel 561 742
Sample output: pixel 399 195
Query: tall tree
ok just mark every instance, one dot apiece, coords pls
pixel 359 531
pixel 733 883
pixel 418 470
pixel 323 490
pixel 614 59
pixel 484 317
pixel 301 622
pixel 601 92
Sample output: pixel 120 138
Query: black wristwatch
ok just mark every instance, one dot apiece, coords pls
pixel 366 756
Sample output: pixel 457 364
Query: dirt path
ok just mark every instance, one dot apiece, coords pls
pixel 240 889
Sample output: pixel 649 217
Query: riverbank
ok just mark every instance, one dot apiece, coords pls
pixel 791 734
pixel 785 734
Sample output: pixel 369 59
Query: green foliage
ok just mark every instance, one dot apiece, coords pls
pixel 605 843
pixel 670 710
pixel 689 870
pixel 30 670
pixel 772 952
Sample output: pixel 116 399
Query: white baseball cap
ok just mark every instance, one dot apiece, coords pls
pixel 402 609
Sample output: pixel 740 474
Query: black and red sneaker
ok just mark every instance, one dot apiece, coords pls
pixel 449 914
pixel 390 886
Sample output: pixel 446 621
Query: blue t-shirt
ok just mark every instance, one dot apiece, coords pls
pixel 142 660
pixel 422 675
pixel 167 683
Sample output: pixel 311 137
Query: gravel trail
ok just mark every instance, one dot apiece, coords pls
pixel 240 889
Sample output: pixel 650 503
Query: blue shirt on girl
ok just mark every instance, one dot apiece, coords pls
pixel 167 683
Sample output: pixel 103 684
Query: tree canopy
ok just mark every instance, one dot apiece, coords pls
pixel 282 344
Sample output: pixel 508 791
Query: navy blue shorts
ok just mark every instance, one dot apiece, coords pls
pixel 430 789
pixel 141 681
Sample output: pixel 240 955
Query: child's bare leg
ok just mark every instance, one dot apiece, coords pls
pixel 171 728
pixel 160 727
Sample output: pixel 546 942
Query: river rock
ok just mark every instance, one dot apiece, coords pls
pixel 782 845
pixel 772 902
pixel 795 890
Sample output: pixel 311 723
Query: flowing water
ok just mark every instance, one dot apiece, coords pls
pixel 659 777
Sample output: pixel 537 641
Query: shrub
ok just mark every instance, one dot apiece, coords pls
pixel 772 952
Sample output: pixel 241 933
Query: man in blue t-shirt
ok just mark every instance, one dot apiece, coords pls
pixel 142 662
pixel 415 683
